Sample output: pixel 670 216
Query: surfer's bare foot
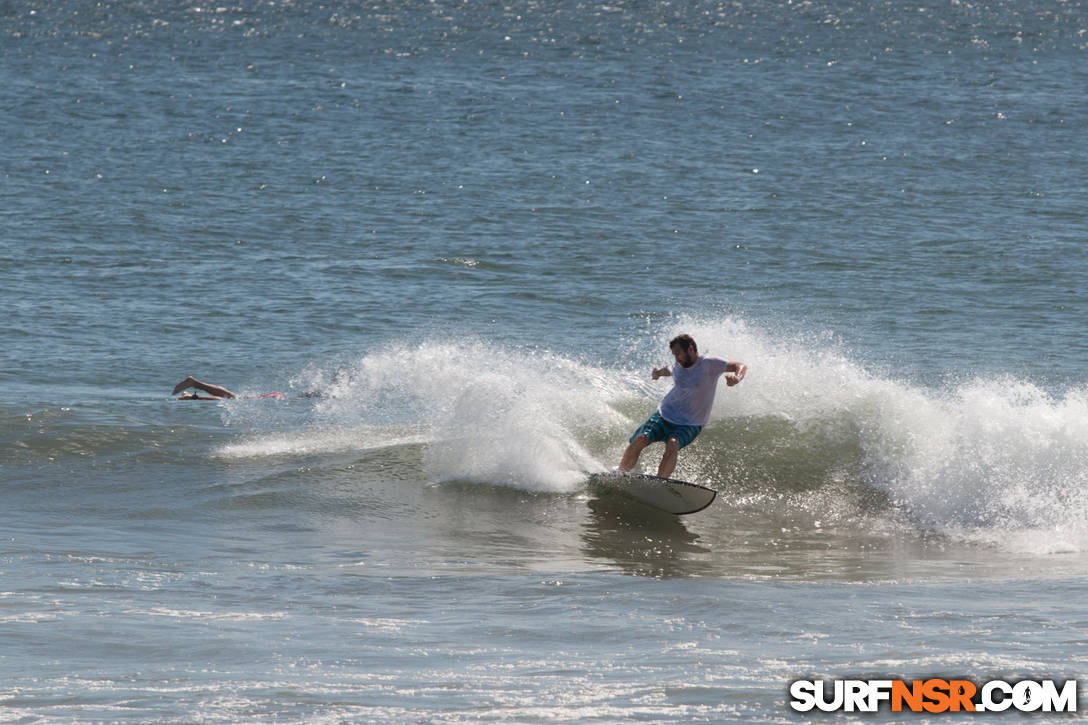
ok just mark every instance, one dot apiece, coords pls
pixel 188 382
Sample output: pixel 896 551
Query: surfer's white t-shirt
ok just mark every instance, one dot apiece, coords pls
pixel 692 395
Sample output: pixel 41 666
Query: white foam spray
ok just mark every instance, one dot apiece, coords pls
pixel 491 414
pixel 999 461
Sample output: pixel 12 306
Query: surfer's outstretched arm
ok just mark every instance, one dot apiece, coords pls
pixel 217 391
pixel 734 373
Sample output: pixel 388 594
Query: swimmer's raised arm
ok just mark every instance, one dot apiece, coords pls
pixel 217 392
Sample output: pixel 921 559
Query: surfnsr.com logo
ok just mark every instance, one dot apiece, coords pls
pixel 933 695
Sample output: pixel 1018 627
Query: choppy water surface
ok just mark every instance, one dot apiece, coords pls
pixel 472 228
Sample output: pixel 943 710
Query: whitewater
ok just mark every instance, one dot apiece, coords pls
pixel 995 460
pixel 456 237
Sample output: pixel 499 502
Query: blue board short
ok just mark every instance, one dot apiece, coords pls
pixel 659 429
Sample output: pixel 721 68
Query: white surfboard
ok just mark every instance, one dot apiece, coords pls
pixel 667 494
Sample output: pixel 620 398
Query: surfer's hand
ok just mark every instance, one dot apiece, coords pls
pixel 660 372
pixel 736 372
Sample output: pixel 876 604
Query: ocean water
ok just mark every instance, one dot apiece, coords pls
pixel 472 227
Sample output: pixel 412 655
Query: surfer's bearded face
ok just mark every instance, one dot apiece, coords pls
pixel 684 355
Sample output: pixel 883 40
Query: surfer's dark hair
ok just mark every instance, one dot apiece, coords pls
pixel 684 341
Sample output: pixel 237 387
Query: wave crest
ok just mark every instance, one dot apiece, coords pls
pixel 997 460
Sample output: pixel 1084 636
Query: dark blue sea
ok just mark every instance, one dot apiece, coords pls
pixel 457 236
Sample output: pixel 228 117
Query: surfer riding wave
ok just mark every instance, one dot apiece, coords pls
pixel 686 408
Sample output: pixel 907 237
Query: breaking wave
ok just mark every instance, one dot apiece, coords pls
pixel 997 460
